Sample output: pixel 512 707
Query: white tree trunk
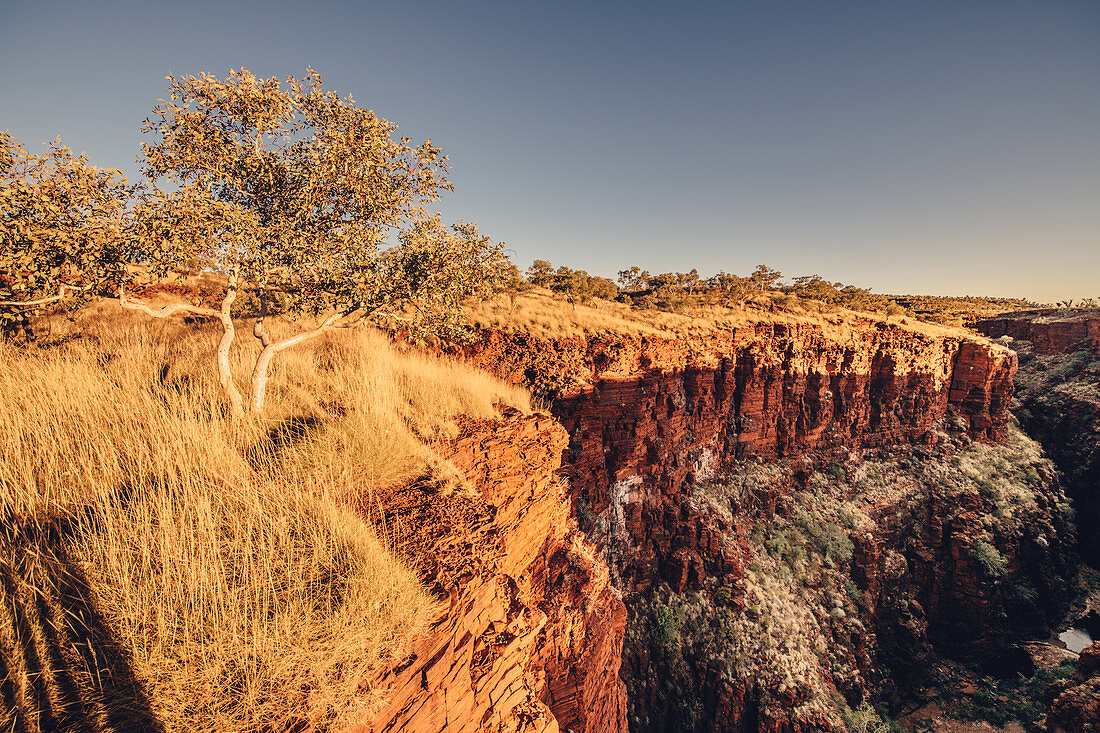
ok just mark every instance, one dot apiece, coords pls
pixel 263 361
pixel 225 374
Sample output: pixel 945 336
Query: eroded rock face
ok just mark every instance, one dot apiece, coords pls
pixel 648 417
pixel 1058 401
pixel 1050 332
pixel 1075 703
pixel 529 635
pixel 860 573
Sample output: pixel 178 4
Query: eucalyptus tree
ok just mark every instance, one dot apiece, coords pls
pixel 540 273
pixel 765 277
pixel 292 192
pixel 735 288
pixel 633 279
pixel 63 229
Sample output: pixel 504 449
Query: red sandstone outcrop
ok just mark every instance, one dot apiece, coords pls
pixel 1048 332
pixel 530 635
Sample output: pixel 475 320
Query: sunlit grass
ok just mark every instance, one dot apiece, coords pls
pixel 220 551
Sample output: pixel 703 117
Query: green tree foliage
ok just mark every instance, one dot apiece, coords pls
pixel 836 293
pixel 540 273
pixel 667 290
pixel 63 229
pixel 734 288
pixel 603 288
pixel 675 290
pixel 665 625
pixel 992 562
pixel 634 279
pixel 513 284
pixel 816 287
pixel 292 192
pixel 765 278
pixel 688 281
pixel 577 286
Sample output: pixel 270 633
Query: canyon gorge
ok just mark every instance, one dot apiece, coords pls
pixel 818 522
pixel 780 527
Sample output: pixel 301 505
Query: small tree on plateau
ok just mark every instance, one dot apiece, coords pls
pixel 540 273
pixel 736 288
pixel 62 229
pixel 765 277
pixel 291 193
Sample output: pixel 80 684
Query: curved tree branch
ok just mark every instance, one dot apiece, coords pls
pixel 336 320
pixel 224 314
pixel 61 295
pixel 165 312
pixel 263 361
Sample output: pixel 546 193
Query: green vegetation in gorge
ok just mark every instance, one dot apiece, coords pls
pixel 798 629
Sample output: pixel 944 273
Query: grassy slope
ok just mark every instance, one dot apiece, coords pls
pixel 235 586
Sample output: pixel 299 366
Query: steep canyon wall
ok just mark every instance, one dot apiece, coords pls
pixel 1058 396
pixel 528 635
pixel 531 633
pixel 648 417
pixel 1049 332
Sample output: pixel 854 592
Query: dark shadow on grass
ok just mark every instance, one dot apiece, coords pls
pixel 285 434
pixel 64 669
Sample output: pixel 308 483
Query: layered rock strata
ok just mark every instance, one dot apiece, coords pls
pixel 649 416
pixel 1050 332
pixel 531 634
pixel 529 631
pixel 1058 403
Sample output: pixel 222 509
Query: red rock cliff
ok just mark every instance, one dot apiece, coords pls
pixel 1049 334
pixel 529 636
pixel 648 416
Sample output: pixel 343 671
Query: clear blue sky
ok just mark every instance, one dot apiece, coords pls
pixel 936 147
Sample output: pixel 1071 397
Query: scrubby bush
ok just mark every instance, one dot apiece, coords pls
pixel 865 719
pixel 992 562
pixel 665 626
pixel 827 538
pixel 723 595
pixel 1027 595
pixel 1020 699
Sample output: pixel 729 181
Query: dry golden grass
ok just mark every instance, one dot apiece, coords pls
pixel 541 314
pixel 538 312
pixel 218 550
